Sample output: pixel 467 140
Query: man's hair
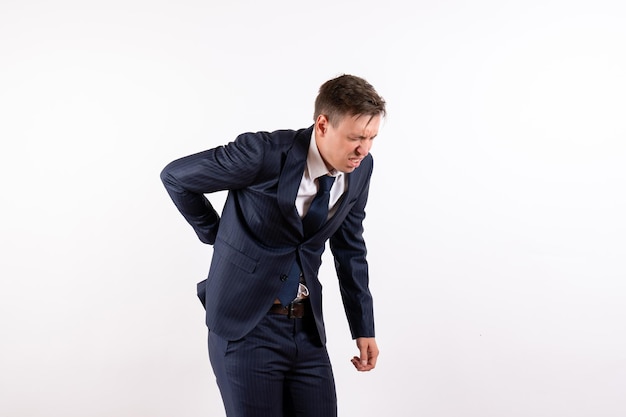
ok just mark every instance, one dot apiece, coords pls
pixel 348 95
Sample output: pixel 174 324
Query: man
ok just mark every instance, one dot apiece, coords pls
pixel 262 296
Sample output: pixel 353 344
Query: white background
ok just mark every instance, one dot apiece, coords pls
pixel 495 226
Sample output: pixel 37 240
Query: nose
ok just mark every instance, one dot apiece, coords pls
pixel 364 148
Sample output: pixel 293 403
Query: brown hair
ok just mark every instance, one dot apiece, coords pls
pixel 348 95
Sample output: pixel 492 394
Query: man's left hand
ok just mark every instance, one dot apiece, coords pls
pixel 369 353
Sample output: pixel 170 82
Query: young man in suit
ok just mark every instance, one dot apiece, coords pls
pixel 289 192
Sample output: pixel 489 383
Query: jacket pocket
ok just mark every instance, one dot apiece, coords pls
pixel 235 256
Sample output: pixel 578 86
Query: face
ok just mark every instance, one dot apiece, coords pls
pixel 343 147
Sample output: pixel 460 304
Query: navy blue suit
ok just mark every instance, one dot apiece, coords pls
pixel 259 233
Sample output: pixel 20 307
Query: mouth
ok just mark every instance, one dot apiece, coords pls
pixel 355 162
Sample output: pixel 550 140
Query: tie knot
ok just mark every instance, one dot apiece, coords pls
pixel 325 182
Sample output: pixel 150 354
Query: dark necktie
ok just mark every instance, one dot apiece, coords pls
pixel 312 221
pixel 318 211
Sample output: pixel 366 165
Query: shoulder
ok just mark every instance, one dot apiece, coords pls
pixel 277 138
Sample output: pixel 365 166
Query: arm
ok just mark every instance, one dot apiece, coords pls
pixel 358 302
pixel 349 251
pixel 225 167
pixel 190 200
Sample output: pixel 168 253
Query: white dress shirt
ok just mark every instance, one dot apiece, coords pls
pixel 315 167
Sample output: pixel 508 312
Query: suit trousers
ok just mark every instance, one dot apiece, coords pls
pixel 279 369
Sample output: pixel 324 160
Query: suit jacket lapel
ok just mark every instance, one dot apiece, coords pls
pixel 291 176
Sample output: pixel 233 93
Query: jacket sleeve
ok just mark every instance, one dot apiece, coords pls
pixel 349 252
pixel 188 179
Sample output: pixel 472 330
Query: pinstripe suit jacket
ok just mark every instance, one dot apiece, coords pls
pixel 259 232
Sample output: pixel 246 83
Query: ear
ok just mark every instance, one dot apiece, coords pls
pixel 321 125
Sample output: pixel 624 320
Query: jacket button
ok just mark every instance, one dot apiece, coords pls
pixel 283 277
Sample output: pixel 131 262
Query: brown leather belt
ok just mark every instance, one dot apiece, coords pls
pixel 293 310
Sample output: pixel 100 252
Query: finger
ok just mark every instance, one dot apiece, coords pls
pixel 356 361
pixel 364 351
pixel 372 361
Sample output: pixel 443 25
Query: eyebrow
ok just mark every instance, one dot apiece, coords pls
pixel 363 137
